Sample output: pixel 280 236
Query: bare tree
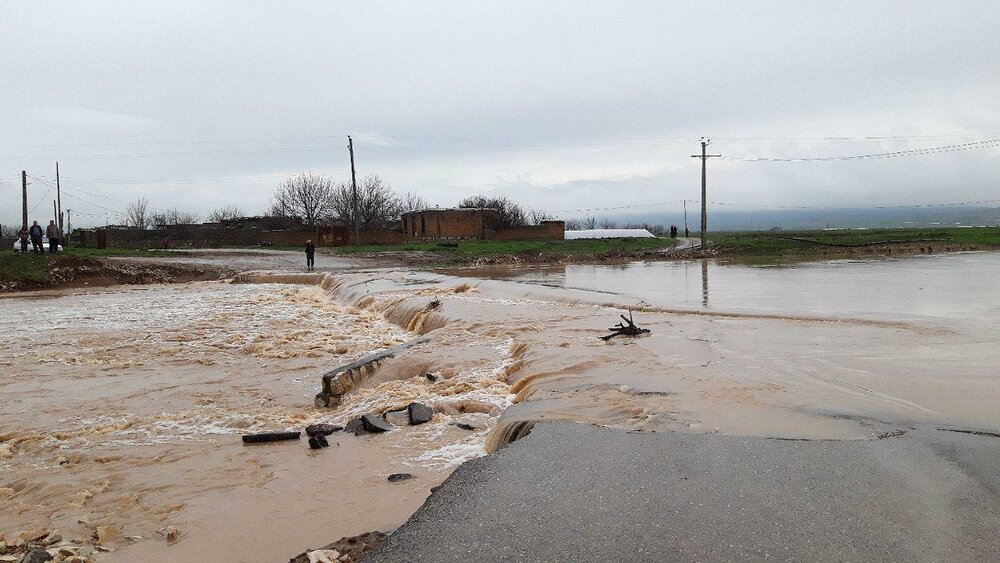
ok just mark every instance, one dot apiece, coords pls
pixel 378 204
pixel 137 214
pixel 537 216
pixel 307 197
pixel 573 225
pixel 227 213
pixel 589 223
pixel 412 201
pixel 511 214
pixel 608 224
pixel 174 217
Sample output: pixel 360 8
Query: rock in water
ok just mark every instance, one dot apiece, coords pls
pixel 354 427
pixel 465 426
pixel 431 377
pixel 322 441
pixel 399 418
pixel 397 477
pixel 419 413
pixel 373 423
pixel 36 556
pixel 322 429
pixel 314 443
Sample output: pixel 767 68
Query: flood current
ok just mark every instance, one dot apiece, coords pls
pixel 123 407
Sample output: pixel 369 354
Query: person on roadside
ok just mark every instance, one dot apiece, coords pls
pixel 52 232
pixel 36 237
pixel 310 254
pixel 24 239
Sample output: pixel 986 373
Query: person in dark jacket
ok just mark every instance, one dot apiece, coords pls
pixel 310 254
pixel 24 239
pixel 36 238
pixel 52 231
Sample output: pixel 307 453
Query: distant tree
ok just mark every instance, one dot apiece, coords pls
pixel 307 197
pixel 608 224
pixel 137 214
pixel 511 214
pixel 412 201
pixel 378 204
pixel 589 223
pixel 9 231
pixel 227 213
pixel 174 217
pixel 573 225
pixel 537 216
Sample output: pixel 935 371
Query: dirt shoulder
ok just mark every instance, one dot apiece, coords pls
pixel 31 272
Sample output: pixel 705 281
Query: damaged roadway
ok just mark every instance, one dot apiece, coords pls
pixel 574 492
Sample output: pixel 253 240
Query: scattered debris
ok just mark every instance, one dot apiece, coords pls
pixel 270 437
pixel 465 426
pixel 973 432
pixel 397 477
pixel 170 533
pixel 350 549
pixel 622 329
pixel 889 434
pixel 36 555
pixel 322 429
pixel 433 305
pixel 324 556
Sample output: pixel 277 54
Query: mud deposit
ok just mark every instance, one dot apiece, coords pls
pixel 123 408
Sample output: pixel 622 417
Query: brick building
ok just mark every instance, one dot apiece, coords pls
pixel 449 223
pixel 473 224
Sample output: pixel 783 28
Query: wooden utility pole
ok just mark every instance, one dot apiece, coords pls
pixel 55 213
pixel 354 189
pixel 704 156
pixel 69 223
pixel 59 220
pixel 24 199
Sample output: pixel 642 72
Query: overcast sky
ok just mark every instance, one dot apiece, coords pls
pixel 562 105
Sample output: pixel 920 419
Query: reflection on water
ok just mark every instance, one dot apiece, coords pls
pixel 704 283
pixel 955 286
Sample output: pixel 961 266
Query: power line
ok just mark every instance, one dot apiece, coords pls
pixel 989 143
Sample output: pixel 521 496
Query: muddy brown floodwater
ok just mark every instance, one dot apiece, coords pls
pixel 123 408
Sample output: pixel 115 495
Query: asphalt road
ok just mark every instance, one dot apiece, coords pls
pixel 571 492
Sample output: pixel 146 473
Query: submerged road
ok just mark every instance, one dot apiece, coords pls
pixel 572 492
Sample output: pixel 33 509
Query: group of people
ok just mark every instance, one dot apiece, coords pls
pixel 34 233
pixel 673 231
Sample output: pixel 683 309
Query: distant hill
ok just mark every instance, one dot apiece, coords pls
pixel 764 219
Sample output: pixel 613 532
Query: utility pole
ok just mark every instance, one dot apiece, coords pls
pixel 55 214
pixel 685 217
pixel 704 156
pixel 354 188
pixel 24 199
pixel 69 223
pixel 59 220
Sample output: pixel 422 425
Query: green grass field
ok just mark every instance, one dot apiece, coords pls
pixel 467 250
pixel 778 243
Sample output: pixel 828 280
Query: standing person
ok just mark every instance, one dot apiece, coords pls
pixel 24 239
pixel 36 237
pixel 310 254
pixel 52 232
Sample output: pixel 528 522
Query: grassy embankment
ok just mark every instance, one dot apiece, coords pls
pixel 852 242
pixel 20 271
